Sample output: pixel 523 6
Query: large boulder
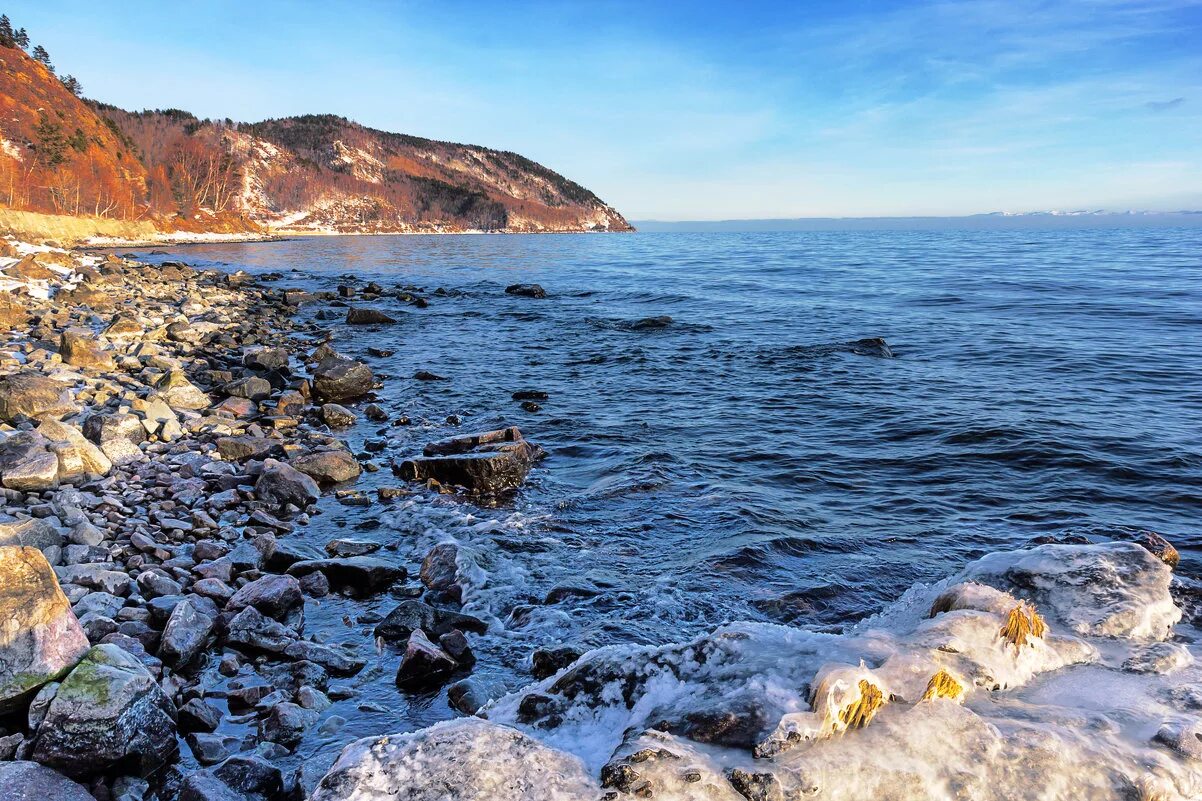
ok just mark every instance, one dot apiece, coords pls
pixel 31 394
pixel 108 712
pixel 40 639
pixel 338 378
pixel 362 574
pixel 460 760
pixel 29 781
pixel 33 532
pixel 282 484
pixel 329 466
pixel 79 347
pixel 489 462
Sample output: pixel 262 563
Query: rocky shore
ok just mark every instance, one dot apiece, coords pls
pixel 167 437
pixel 163 432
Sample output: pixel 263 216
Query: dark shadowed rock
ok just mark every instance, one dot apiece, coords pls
pixel 409 615
pixel 275 596
pixel 367 316
pixel 282 484
pixel 424 664
pixel 361 574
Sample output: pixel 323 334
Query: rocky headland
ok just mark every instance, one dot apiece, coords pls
pixel 167 434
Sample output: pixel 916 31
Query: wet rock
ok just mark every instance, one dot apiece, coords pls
pixel 79 347
pixel 529 395
pixel 1184 737
pixel 547 661
pixel 426 375
pixel 252 631
pixel 281 484
pixel 30 394
pixel 470 694
pixel 29 781
pixel 211 748
pixel 337 416
pixel 360 574
pixel 440 570
pixel 756 786
pixel 286 723
pixel 108 711
pixel 458 760
pixel 337 379
pixel 424 664
pixel 188 631
pixel 456 646
pixel 42 638
pixel 329 466
pixel 243 777
pixel 1161 548
pixel 337 661
pixel 367 316
pixel 197 716
pixel 526 290
pixel 489 462
pixel 275 596
pixel 410 615
pixel 349 547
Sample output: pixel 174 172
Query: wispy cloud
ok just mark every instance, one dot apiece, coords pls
pixel 1164 105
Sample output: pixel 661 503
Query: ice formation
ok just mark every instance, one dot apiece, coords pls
pixel 1046 673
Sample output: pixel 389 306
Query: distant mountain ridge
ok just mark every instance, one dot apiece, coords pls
pixel 61 154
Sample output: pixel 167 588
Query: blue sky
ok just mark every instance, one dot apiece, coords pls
pixel 705 110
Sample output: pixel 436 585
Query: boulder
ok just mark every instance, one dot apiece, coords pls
pixel 124 326
pixel 29 267
pixel 242 777
pixel 468 759
pixel 488 462
pixel 410 615
pixel 286 723
pixel 32 532
pixel 13 314
pixel 41 638
pixel 241 448
pixel 30 394
pixel 26 463
pixel 180 393
pixel 365 316
pixel 328 467
pixel 252 388
pixel 251 631
pixel 29 781
pixel 108 712
pixel 79 347
pixel 282 484
pixel 338 378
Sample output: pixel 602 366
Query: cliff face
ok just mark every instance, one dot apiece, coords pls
pixel 64 155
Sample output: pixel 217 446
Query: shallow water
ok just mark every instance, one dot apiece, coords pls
pixel 725 468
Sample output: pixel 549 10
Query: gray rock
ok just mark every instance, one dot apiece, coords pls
pixel 186 634
pixel 108 711
pixel 30 532
pixel 328 466
pixel 281 484
pixel 251 631
pixel 286 723
pixel 274 596
pixel 361 574
pixel 29 781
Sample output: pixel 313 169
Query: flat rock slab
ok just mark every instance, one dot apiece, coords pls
pixel 488 462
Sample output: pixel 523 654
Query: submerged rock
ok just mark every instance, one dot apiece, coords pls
pixel 365 316
pixel 526 290
pixel 40 638
pixel 108 711
pixel 459 760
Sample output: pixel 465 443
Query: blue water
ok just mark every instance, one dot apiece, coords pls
pixel 725 467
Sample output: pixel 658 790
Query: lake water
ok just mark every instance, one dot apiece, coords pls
pixel 732 466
